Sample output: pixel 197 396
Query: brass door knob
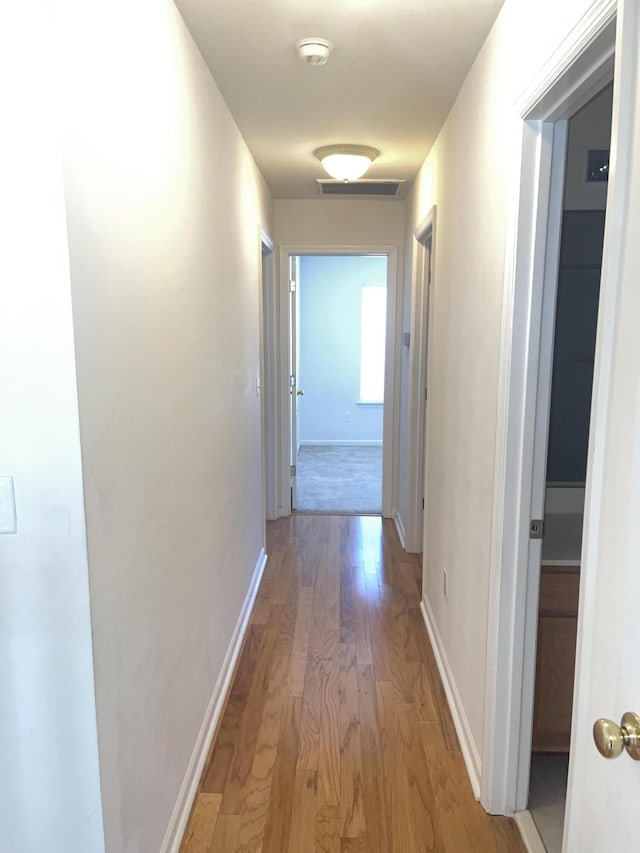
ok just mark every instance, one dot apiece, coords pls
pixel 611 739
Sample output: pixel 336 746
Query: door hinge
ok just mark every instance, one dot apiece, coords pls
pixel 425 395
pixel 536 528
pixel 292 286
pixel 422 503
pixel 292 470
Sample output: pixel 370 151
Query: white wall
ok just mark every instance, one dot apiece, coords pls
pixel 50 781
pixel 330 301
pixel 588 129
pixel 164 204
pixel 470 175
pixel 338 222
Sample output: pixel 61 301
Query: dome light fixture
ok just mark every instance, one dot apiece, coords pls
pixel 314 51
pixel 346 162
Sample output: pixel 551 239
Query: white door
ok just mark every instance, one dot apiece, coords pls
pixel 604 795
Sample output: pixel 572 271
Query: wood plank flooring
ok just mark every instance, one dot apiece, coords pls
pixel 337 737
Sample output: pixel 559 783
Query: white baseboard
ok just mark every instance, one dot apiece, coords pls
pixel 338 442
pixel 463 729
pixel 195 768
pixel 400 528
pixel 529 832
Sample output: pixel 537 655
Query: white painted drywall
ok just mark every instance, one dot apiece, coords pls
pixel 164 205
pixel 339 222
pixel 470 175
pixel 330 302
pixel 50 780
pixel 588 129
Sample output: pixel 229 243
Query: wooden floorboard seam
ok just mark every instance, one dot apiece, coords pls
pixel 336 735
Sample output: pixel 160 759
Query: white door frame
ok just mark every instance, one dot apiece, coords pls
pixel 582 65
pixel 391 385
pixel 293 327
pixel 269 375
pixel 424 234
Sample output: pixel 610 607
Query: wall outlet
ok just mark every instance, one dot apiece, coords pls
pixel 347 417
pixel 445 584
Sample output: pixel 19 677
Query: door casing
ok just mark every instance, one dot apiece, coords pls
pixel 580 68
pixel 423 265
pixel 268 306
pixel 391 415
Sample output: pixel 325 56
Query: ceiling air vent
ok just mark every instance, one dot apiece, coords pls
pixel 361 189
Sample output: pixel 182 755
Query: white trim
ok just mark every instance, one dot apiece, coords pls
pixel 529 832
pixel 195 768
pixel 460 721
pixel 510 680
pixel 397 518
pixel 417 369
pixel 422 229
pixel 267 243
pixel 542 327
pixel 284 415
pixel 583 62
pixel 339 442
pixel 269 369
pixel 512 587
pixel 391 412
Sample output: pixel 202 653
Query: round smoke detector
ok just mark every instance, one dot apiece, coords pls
pixel 314 51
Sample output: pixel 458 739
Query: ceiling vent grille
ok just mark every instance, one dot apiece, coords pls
pixel 360 189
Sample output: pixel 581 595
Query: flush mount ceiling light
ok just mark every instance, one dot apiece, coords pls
pixel 314 51
pixel 346 162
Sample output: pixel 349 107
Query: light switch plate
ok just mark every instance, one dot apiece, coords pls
pixel 8 522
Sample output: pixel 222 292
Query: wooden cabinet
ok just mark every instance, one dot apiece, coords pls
pixel 555 659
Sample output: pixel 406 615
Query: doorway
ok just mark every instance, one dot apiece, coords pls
pixel 566 411
pixel 337 377
pixel 580 69
pixel 410 520
pixel 338 359
pixel 600 806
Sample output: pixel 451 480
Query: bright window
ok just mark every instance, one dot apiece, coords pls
pixel 374 312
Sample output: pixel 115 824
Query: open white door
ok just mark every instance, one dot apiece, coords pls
pixel 603 795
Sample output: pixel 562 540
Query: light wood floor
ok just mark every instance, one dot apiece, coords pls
pixel 337 735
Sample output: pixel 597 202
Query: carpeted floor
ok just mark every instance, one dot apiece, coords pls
pixel 340 479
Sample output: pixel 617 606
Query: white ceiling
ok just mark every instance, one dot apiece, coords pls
pixel 390 82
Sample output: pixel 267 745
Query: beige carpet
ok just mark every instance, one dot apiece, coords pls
pixel 338 478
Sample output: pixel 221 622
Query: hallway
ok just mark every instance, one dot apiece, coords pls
pixel 337 734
